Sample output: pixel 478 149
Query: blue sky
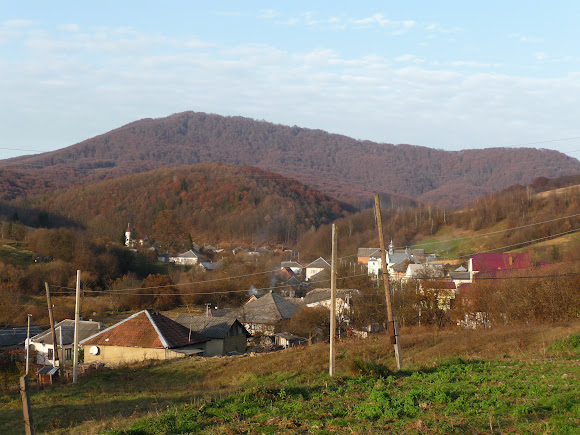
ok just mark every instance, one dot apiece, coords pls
pixel 445 74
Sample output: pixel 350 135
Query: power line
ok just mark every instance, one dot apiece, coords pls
pixel 497 232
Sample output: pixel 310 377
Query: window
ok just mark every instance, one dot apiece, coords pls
pixel 67 354
pixel 50 354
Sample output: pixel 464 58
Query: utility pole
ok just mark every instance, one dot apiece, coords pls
pixel 28 344
pixel 332 300
pixel 51 317
pixel 77 325
pixel 26 410
pixel 391 321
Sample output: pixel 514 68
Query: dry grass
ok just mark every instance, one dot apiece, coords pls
pixel 117 398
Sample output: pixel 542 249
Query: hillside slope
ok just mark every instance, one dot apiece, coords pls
pixel 337 165
pixel 209 202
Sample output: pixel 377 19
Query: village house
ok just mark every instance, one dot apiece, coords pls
pixel 188 258
pixel 264 315
pixel 143 336
pixel 64 331
pixel 209 266
pixel 285 340
pixel 397 260
pixel 423 271
pixel 493 264
pixel 293 265
pixel 15 338
pixel 316 266
pixel 224 335
pixel 444 291
pixel 460 276
pixel 321 297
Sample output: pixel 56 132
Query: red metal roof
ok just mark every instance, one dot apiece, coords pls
pixel 492 263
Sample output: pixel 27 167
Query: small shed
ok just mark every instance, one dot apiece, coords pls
pixel 285 339
pixel 46 375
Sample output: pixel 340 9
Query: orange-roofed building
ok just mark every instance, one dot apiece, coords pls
pixel 142 336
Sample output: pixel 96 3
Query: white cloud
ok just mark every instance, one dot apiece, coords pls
pixel 138 75
pixel 523 38
pixel 268 14
pixel 70 27
pixel 474 64
pixel 409 58
pixel 437 28
pixel 228 13
pixel 16 24
pixel 540 56
pixel 374 19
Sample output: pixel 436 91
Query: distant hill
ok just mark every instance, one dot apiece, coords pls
pixel 209 202
pixel 510 219
pixel 340 166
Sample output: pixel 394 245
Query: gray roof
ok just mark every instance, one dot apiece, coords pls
pixel 190 254
pixel 322 277
pixel 412 251
pixel 369 252
pixel 67 326
pixel 17 335
pixel 269 309
pixel 460 269
pixel 460 275
pixel 319 263
pixel 323 294
pixel 208 327
pixel 208 265
pixel 221 312
pixel 47 370
pixel 397 257
pixel 424 270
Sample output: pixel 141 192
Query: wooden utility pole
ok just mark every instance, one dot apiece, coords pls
pixel 26 410
pixel 391 320
pixel 77 325
pixel 332 300
pixel 51 317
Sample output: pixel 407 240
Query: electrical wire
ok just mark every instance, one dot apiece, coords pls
pixel 496 232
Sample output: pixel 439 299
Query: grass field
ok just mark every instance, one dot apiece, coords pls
pixel 520 379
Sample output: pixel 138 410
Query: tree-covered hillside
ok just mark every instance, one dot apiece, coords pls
pixel 210 202
pixel 339 166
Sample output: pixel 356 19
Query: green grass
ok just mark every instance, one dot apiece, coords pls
pixel 458 396
pixel 15 254
pixel 567 347
pixel 447 244
pixel 506 380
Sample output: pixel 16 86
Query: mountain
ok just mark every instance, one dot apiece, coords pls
pixel 339 166
pixel 211 202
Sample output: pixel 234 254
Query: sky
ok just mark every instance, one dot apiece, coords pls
pixel 447 74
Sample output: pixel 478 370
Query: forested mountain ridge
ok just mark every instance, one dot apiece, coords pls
pixel 206 202
pixel 340 166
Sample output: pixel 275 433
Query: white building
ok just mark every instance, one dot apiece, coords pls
pixel 189 258
pixel 64 331
pixel 316 266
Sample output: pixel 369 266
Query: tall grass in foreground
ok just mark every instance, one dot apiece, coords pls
pixel 461 377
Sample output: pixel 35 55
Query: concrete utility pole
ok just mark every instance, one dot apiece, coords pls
pixel 51 317
pixel 77 325
pixel 332 300
pixel 28 344
pixel 391 322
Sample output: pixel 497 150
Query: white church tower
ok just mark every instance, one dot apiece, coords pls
pixel 128 236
